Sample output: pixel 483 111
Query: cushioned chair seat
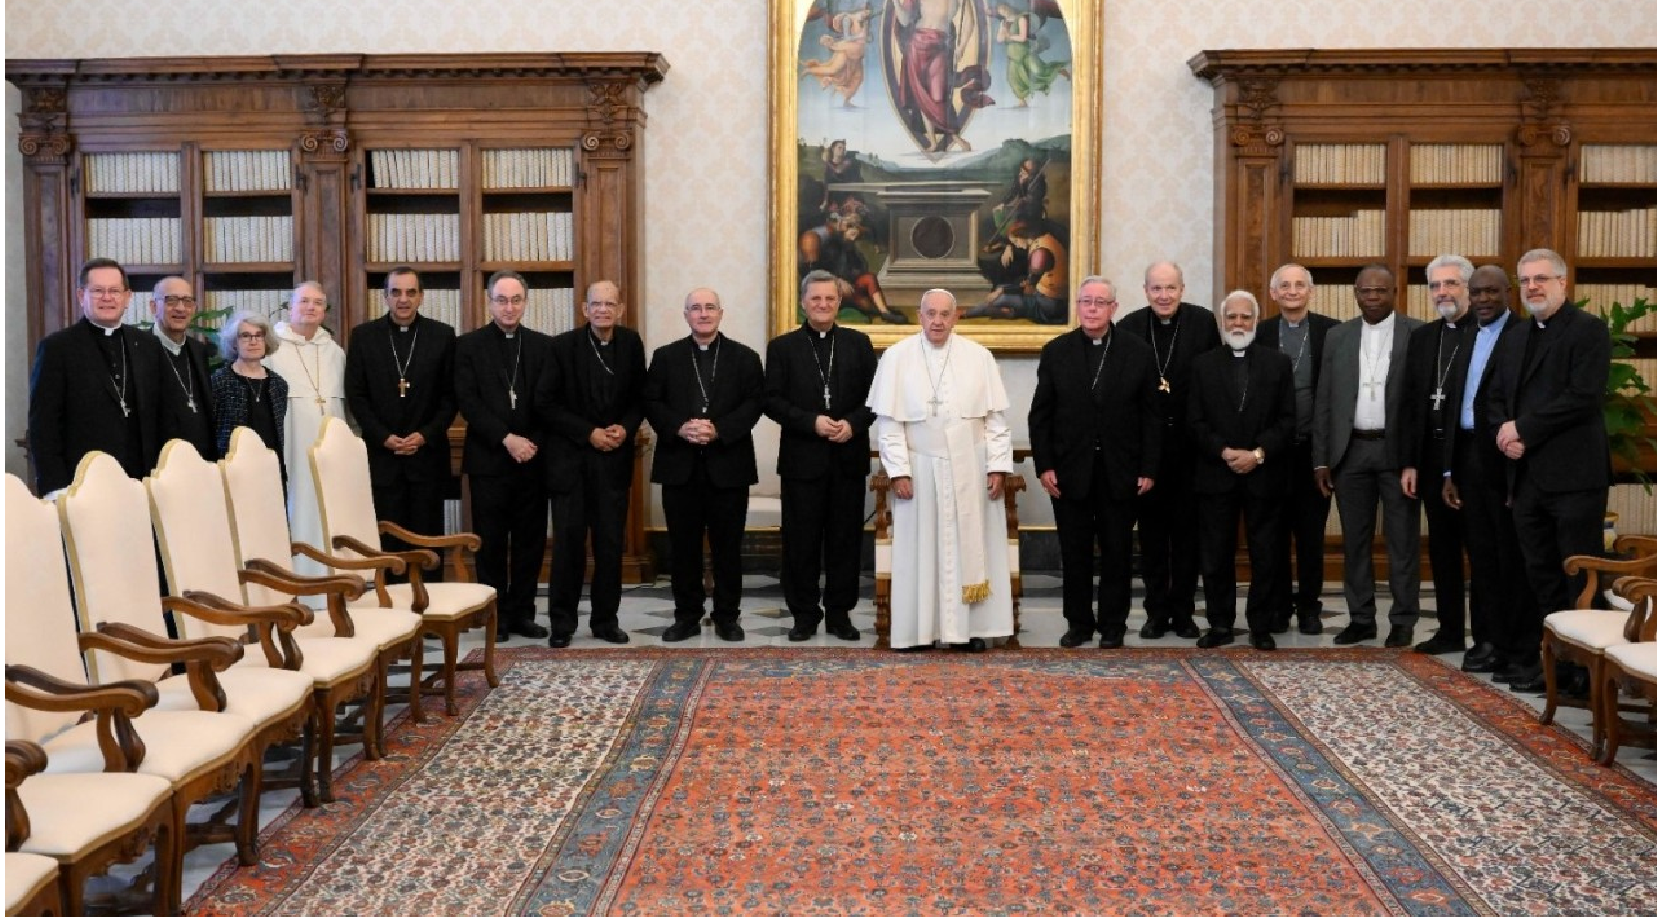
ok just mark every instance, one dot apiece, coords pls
pixel 1637 659
pixel 181 744
pixel 1588 628
pixel 254 692
pixel 448 600
pixel 26 875
pixel 327 659
pixel 76 813
pixel 384 627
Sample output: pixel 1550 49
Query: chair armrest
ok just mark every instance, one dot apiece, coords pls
pixel 22 759
pixel 416 559
pixel 1637 545
pixel 466 541
pixel 140 645
pixel 269 624
pixel 1592 566
pixel 1640 591
pixel 113 706
pixel 297 580
pixel 371 560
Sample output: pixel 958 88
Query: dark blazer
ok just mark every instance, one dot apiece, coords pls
pixel 483 383
pixel 229 394
pixel 672 397
pixel 197 427
pixel 571 404
pixel 1557 398
pixel 1420 449
pixel 1197 335
pixel 1267 420
pixel 74 408
pixel 1066 422
pixel 1456 386
pixel 794 399
pixel 372 396
pixel 1270 335
pixel 1338 385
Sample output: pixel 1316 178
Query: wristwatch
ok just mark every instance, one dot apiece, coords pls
pixel 1259 456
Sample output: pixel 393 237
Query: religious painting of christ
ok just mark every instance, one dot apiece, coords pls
pixel 937 143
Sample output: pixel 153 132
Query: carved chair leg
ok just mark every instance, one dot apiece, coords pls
pixel 1606 752
pixel 489 619
pixel 1552 680
pixel 373 708
pixel 247 820
pixel 451 653
pixel 307 761
pixel 327 717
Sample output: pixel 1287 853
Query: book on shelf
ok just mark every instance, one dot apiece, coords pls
pixel 1600 296
pixel 1617 233
pixel 1456 163
pixel 436 303
pixel 528 168
pixel 248 170
pixel 1359 235
pixel 413 170
pixel 1338 301
pixel 272 304
pixel 413 237
pixel 1619 163
pixel 1470 232
pixel 1340 164
pixel 243 239
pixel 131 173
pixel 135 240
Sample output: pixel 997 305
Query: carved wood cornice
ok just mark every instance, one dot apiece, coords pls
pixel 1307 62
pixel 1538 99
pixel 1257 126
pixel 607 103
pixel 641 69
pixel 43 124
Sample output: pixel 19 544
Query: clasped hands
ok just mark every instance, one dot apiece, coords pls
pixel 904 488
pixel 608 439
pixel 520 448
pixel 835 431
pixel 1050 482
pixel 405 445
pixel 1507 440
pixel 698 430
pixel 1240 461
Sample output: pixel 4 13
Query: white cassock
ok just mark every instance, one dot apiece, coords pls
pixel 315 372
pixel 939 422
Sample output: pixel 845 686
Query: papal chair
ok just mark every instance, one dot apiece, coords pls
pixel 339 469
pixel 1631 667
pixel 103 811
pixel 192 523
pixel 208 747
pixel 252 482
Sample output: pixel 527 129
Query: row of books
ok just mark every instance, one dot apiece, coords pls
pixel 1617 233
pixel 1469 232
pixel 1456 163
pixel 1623 163
pixel 413 237
pixel 232 239
pixel 528 236
pixel 543 168
pixel 414 169
pixel 135 240
pixel 1340 163
pixel 550 310
pixel 1360 235
pixel 1335 300
pixel 131 173
pixel 1601 295
pixel 248 170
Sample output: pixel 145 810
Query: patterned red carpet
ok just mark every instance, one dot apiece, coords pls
pixel 854 782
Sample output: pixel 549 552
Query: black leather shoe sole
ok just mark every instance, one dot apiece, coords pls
pixel 1216 637
pixel 559 641
pixel 801 634
pixel 611 634
pixel 1111 639
pixel 678 633
pixel 1075 638
pixel 1399 639
pixel 1351 635
pixel 1262 642
pixel 845 632
pixel 1153 630
pixel 730 633
pixel 1435 646
pixel 531 630
pixel 1187 630
pixel 1311 627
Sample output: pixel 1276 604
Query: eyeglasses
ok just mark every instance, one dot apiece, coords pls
pixel 1452 284
pixel 250 335
pixel 1095 301
pixel 508 300
pixel 1537 280
pixel 105 292
pixel 179 300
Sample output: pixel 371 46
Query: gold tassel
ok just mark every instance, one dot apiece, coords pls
pixel 975 593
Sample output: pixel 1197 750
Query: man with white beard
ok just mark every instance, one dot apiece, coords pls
pixel 1241 414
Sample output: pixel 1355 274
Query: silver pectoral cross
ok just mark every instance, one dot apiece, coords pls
pixel 512 396
pixel 936 403
pixel 826 396
pixel 1372 386
pixel 1438 399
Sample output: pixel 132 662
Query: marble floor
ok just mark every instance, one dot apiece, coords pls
pixel 647 610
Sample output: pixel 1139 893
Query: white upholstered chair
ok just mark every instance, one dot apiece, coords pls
pixel 252 482
pixel 1631 667
pixel 339 469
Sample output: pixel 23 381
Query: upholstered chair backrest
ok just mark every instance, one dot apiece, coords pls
pixel 192 527
pixel 40 619
pixel 339 466
pixel 106 525
pixel 252 477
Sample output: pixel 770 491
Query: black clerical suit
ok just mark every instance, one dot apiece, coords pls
pixel 496 380
pixel 186 398
pixel 1429 412
pixel 809 374
pixel 705 486
pixel 1306 513
pixel 80 378
pixel 1167 540
pixel 1551 380
pixel 408 489
pixel 1241 401
pixel 1094 422
pixel 1502 608
pixel 590 385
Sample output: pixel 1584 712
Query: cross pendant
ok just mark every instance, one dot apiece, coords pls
pixel 402 388
pixel 1372 386
pixel 936 404
pixel 825 396
pixel 1438 399
pixel 191 404
pixel 513 396
pixel 321 402
pixel 1164 386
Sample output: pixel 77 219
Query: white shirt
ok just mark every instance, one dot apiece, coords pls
pixel 1374 360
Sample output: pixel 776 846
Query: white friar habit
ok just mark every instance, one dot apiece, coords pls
pixel 940 422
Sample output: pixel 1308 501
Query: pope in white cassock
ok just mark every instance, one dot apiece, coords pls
pixel 943 439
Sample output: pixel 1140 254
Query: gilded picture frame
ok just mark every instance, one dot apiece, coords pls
pixel 936 143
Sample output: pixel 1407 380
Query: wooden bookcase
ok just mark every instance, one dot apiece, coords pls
pixel 1337 159
pixel 249 174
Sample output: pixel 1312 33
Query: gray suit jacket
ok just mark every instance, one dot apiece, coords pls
pixel 1337 396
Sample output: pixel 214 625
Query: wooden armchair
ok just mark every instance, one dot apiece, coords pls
pixel 1631 667
pixel 32 888
pixel 344 492
pixel 881 485
pixel 1582 634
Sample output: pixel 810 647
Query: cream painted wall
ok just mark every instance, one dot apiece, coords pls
pixel 708 225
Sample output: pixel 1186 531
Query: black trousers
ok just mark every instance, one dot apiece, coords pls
pixel 1552 527
pixel 1363 480
pixel 1305 515
pixel 1168 543
pixel 1082 523
pixel 592 507
pixel 509 513
pixel 1502 607
pixel 1217 518
pixel 822 539
pixel 696 510
pixel 416 505
pixel 1446 541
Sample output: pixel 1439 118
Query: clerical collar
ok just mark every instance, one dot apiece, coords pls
pixel 106 329
pixel 1498 321
pixel 173 347
pixel 822 334
pixel 1294 324
pixel 1238 354
pixel 1165 320
pixel 404 328
pixel 702 346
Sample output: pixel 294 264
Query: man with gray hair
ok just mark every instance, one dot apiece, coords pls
pixel 1242 415
pixel 186 405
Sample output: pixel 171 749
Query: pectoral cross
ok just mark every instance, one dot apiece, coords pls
pixel 1438 399
pixel 402 388
pixel 1372 386
pixel 1164 386
pixel 825 396
pixel 321 402
pixel 512 395
pixel 936 403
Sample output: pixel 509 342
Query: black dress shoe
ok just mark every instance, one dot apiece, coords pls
pixel 1262 641
pixel 528 629
pixel 1400 637
pixel 1355 633
pixel 976 645
pixel 1153 630
pixel 502 635
pixel 845 631
pixel 1111 638
pixel 1215 636
pixel 800 633
pixel 1073 638
pixel 1311 624
pixel 729 631
pixel 558 641
pixel 1187 629
pixel 1529 681
pixel 610 633
pixel 1281 622
pixel 1438 645
pixel 681 631
pixel 1481 658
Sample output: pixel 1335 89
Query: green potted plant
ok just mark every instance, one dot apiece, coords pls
pixel 1630 408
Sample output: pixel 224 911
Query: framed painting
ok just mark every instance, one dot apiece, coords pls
pixel 920 144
